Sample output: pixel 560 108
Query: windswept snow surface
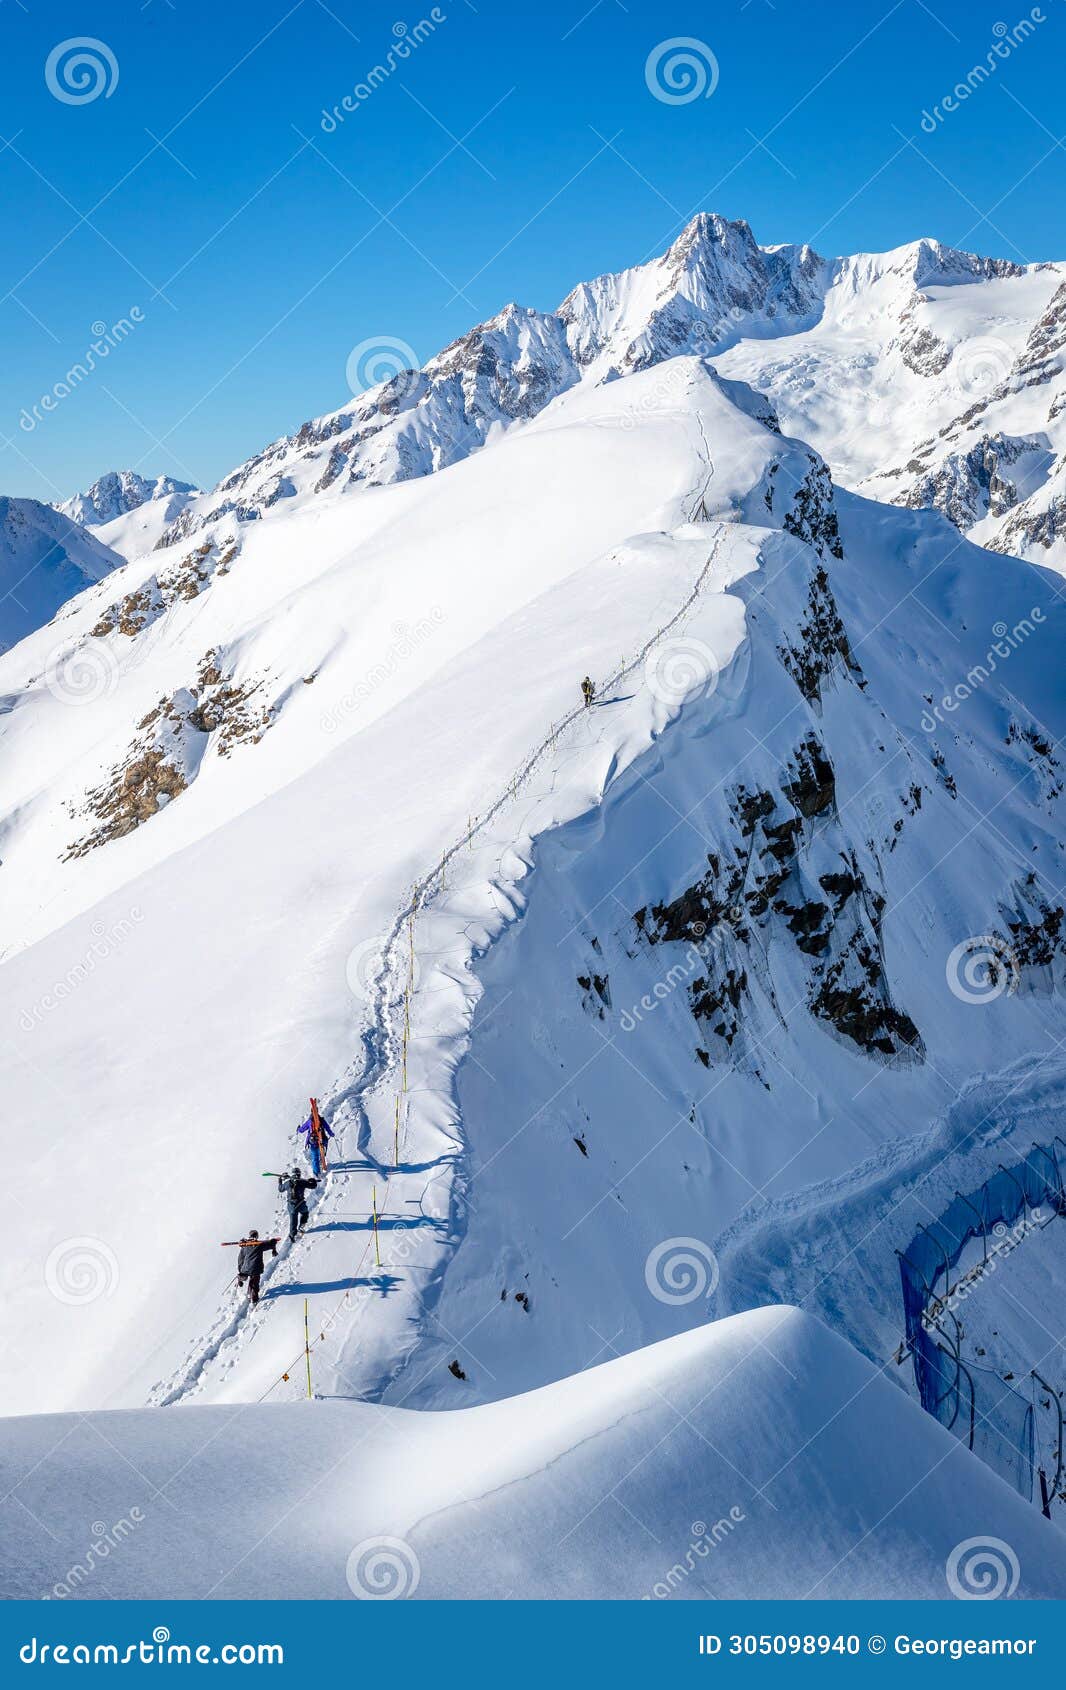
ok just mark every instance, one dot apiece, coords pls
pixel 756 1457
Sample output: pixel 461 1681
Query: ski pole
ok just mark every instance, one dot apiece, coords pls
pixel 374 1206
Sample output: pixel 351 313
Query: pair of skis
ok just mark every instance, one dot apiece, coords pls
pixel 318 1134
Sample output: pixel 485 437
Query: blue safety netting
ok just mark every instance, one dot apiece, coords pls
pixel 975 1403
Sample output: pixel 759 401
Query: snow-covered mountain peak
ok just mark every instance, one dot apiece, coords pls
pixel 128 511
pixel 828 336
pixel 931 262
pixel 118 493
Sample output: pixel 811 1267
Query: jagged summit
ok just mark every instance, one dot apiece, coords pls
pixel 931 338
pixel 117 494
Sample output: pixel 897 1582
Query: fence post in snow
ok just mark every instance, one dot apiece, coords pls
pixel 981 1218
pixel 1057 1400
pixel 307 1349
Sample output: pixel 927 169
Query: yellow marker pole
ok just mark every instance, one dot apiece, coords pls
pixel 374 1206
pixel 307 1349
pixel 396 1158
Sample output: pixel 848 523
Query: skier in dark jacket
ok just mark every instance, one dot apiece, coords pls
pixel 318 1133
pixel 250 1261
pixel 588 691
pixel 296 1188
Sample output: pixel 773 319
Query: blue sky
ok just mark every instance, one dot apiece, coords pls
pixel 516 150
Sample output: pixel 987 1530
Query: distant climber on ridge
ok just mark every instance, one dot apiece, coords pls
pixel 295 1188
pixel 318 1133
pixel 588 691
pixel 250 1261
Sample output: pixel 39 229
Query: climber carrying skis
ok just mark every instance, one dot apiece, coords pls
pixel 588 691
pixel 296 1188
pixel 250 1261
pixel 318 1133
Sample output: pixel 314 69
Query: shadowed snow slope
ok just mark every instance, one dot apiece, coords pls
pixel 45 558
pixel 759 1456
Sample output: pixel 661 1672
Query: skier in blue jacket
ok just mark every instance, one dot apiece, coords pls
pixel 318 1132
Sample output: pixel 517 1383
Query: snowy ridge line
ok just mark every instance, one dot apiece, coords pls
pixel 382 1037
pixel 424 890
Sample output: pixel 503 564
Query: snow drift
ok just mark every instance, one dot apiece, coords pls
pixel 757 1457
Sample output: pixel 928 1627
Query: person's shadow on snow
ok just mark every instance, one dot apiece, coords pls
pixel 383 1283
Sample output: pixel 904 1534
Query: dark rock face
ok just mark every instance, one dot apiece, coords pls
pixel 1046 338
pixel 1030 527
pixel 923 353
pixel 812 515
pixel 760 891
pixel 967 486
pixel 822 647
